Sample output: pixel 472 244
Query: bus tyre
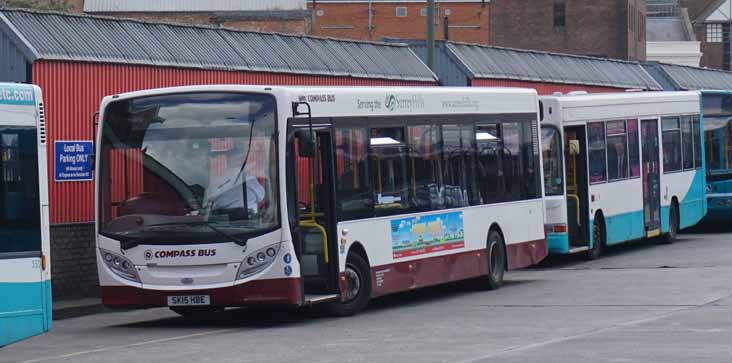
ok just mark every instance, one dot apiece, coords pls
pixel 496 262
pixel 598 239
pixel 358 287
pixel 673 224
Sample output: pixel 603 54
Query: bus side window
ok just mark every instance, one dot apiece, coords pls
pixel 355 197
pixel 597 156
pixel 552 154
pixel 617 153
pixel 671 144
pixel 633 148
pixel 688 142
pixel 425 168
pixel 458 157
pixel 490 175
pixel 697 141
pixel 388 170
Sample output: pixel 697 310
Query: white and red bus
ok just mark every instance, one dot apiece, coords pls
pixel 217 196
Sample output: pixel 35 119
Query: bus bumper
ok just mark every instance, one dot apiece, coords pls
pixel 558 243
pixel 258 292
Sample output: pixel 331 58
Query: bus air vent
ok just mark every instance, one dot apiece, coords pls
pixel 41 124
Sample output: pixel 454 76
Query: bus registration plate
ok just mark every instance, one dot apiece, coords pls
pixel 189 300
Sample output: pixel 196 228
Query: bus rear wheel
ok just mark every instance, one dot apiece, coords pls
pixel 673 224
pixel 496 262
pixel 358 287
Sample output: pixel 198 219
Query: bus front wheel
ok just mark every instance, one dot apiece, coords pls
pixel 358 287
pixel 598 239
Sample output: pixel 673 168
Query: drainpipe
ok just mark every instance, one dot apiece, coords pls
pixel 431 34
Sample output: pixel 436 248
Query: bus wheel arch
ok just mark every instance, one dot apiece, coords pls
pixel 599 236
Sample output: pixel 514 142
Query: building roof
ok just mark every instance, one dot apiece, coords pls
pixel 127 6
pixel 526 65
pixel 65 37
pixel 678 77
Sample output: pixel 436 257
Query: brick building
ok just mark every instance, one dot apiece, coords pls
pixel 608 28
pixel 282 16
pixel 711 20
pixel 462 20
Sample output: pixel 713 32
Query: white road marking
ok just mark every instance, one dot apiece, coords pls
pixel 149 342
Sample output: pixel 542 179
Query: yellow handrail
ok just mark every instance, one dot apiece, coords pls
pixel 313 224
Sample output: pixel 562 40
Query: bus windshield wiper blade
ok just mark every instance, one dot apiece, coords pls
pixel 237 240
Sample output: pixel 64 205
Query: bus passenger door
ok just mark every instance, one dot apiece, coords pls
pixel 651 177
pixel 316 217
pixel 575 154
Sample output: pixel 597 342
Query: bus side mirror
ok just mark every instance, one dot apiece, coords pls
pixel 305 144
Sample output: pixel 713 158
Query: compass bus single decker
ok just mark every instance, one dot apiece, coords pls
pixel 25 271
pixel 218 196
pixel 621 167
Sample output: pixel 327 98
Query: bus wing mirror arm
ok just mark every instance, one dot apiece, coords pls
pixel 306 141
pixel 93 156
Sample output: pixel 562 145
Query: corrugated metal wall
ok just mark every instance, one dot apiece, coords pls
pixel 14 65
pixel 542 88
pixel 72 92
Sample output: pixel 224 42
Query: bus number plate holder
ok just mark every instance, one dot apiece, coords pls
pixel 189 300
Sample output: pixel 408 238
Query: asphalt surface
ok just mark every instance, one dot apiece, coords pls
pixel 643 302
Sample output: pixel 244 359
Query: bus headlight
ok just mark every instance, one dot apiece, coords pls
pixel 257 261
pixel 120 265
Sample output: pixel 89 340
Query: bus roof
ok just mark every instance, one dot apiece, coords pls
pixel 607 106
pixel 372 101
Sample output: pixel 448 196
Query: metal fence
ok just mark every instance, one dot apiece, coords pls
pixel 663 8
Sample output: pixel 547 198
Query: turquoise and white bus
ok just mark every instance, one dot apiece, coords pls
pixel 25 271
pixel 621 167
pixel 717 114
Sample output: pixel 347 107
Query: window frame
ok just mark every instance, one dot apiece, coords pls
pixel 713 33
pixel 589 164
pixel 681 146
pixel 625 134
pixel 397 9
pixel 559 14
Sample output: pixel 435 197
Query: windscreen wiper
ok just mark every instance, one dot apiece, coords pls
pixel 237 240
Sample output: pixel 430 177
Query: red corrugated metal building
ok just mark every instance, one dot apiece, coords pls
pixel 77 60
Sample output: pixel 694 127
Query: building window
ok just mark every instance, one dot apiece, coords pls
pixel 448 12
pixel 320 12
pixel 423 12
pixel 401 11
pixel 714 33
pixel 560 12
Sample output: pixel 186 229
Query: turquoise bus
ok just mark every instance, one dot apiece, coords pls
pixel 25 271
pixel 717 112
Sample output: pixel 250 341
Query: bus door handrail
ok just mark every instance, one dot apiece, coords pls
pixel 577 199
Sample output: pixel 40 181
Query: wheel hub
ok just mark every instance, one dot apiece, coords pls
pixel 353 283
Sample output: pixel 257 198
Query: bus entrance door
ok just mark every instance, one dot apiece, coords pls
pixel 316 222
pixel 577 205
pixel 651 178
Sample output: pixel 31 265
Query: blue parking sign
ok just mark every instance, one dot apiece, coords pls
pixel 73 161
